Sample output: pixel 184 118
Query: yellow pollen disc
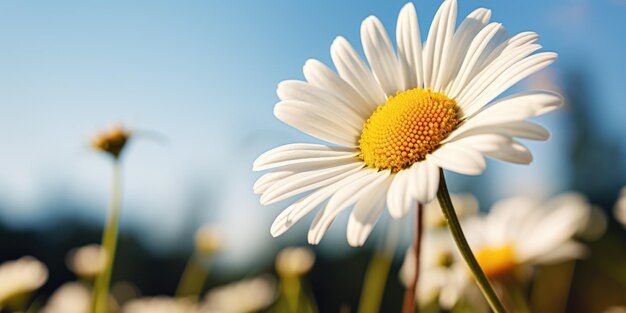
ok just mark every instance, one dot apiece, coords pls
pixel 497 262
pixel 406 128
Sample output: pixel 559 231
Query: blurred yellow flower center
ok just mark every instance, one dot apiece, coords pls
pixel 111 141
pixel 497 262
pixel 406 128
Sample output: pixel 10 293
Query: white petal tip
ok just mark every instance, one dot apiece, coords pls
pixel 408 6
pixel 396 214
pixel 313 241
pixel 339 40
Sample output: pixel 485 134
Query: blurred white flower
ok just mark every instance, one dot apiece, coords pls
pixel 208 239
pixel 620 208
pixel 87 261
pixel 161 304
pixel 465 205
pixel 520 232
pixel 21 276
pixel 294 261
pixel 249 295
pixel 69 298
pixel 443 277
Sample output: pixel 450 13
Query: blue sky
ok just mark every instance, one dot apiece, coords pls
pixel 203 74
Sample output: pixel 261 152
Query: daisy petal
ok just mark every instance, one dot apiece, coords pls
pixel 491 72
pixel 410 47
pixel 504 45
pixel 479 45
pixel 553 228
pixel 302 207
pixel 323 77
pixel 510 77
pixel 381 56
pixel 522 129
pixel 399 200
pixel 317 122
pixel 362 185
pixel 352 69
pixel 365 214
pixel 515 153
pixel 425 178
pixel 566 251
pixel 499 147
pixel 305 181
pixel 438 44
pixel 301 153
pixel 514 108
pixel 470 27
pixel 322 100
pixel 459 158
pixel 269 179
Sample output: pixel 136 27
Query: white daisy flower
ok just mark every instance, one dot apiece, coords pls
pixel 249 295
pixel 160 304
pixel 87 261
pixel 69 298
pixel 443 274
pixel 20 277
pixel 392 126
pixel 520 232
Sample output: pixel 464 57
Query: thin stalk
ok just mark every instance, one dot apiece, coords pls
pixel 35 306
pixel 457 233
pixel 378 271
pixel 551 287
pixel 409 295
pixel 292 289
pixel 517 298
pixel 193 279
pixel 109 243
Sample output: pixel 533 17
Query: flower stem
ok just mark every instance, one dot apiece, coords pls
pixel 194 277
pixel 378 271
pixel 409 295
pixel 109 242
pixel 455 228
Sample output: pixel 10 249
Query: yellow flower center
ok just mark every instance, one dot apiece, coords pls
pixel 406 128
pixel 497 262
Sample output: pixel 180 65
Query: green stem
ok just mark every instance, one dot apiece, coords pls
pixel 517 297
pixel 194 277
pixel 378 271
pixel 292 289
pixel 109 243
pixel 455 228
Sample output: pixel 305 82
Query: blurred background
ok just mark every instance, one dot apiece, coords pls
pixel 202 75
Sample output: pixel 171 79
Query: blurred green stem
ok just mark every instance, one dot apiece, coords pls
pixel 35 306
pixel 377 272
pixel 109 243
pixel 292 289
pixel 194 277
pixel 457 233
pixel 517 298
pixel 551 287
